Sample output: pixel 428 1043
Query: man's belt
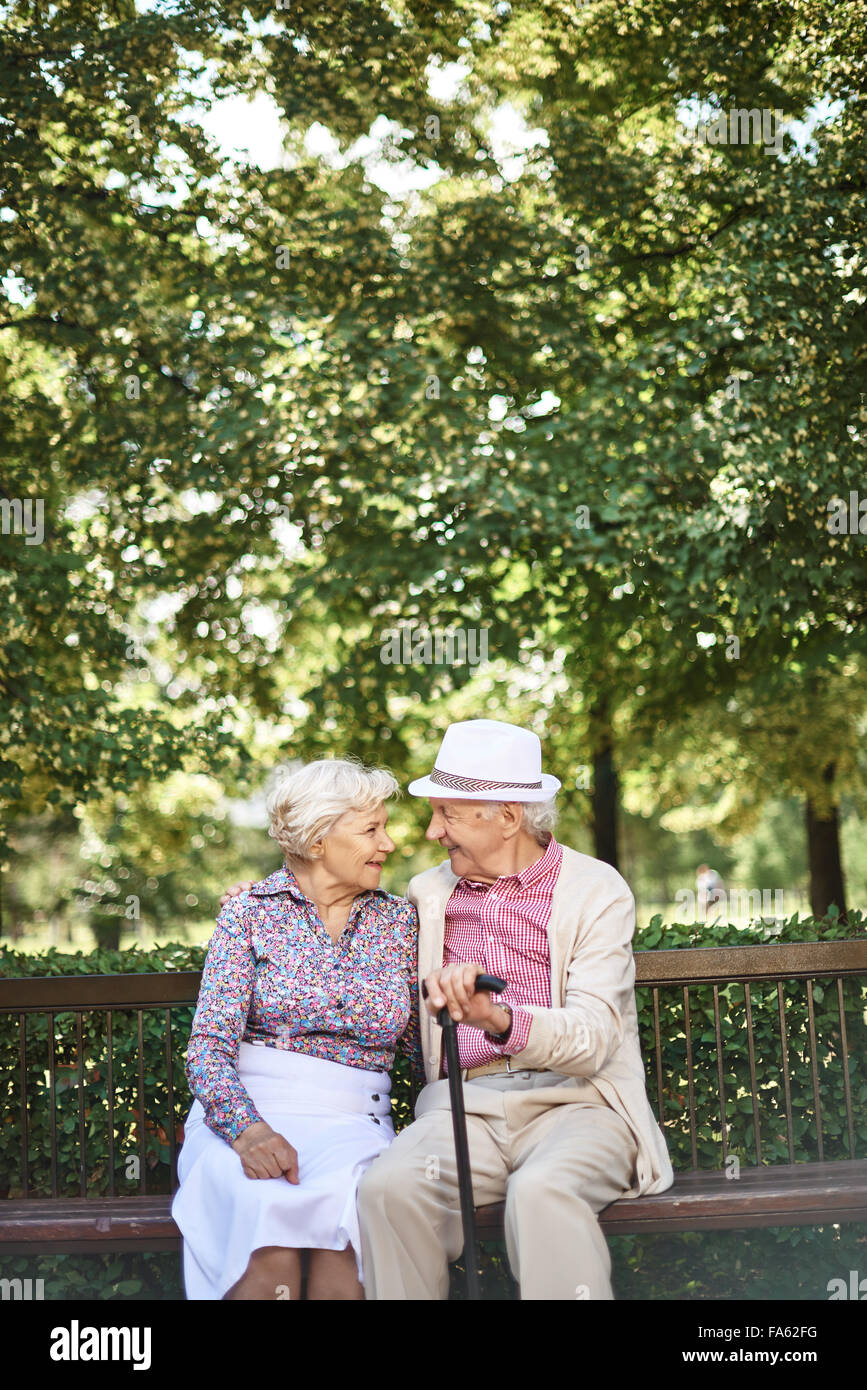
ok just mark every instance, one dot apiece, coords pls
pixel 499 1064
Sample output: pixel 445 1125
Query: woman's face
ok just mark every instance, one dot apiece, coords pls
pixel 356 848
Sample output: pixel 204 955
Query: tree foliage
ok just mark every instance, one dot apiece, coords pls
pixel 595 398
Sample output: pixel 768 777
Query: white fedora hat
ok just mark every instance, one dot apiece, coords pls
pixel 486 760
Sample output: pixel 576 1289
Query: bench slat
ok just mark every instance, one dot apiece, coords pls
pixel 58 992
pixel 791 1195
pixel 88 1225
pixel 789 960
pixel 798 1194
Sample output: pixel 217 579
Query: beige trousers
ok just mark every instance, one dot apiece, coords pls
pixel 549 1144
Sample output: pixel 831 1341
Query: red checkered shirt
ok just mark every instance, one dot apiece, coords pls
pixel 503 927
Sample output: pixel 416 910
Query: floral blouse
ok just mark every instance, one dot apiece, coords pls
pixel 274 977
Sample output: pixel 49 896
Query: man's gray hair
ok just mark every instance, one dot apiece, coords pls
pixel 540 817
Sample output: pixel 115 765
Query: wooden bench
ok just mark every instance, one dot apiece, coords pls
pixel 812 1190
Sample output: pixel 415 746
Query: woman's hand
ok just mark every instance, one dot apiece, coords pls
pixel 266 1154
pixel 233 892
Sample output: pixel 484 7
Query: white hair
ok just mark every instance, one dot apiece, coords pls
pixel 306 803
pixel 539 820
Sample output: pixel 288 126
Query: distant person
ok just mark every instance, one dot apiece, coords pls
pixel 709 889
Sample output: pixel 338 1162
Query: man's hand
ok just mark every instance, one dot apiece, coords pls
pixel 233 892
pixel 266 1154
pixel 453 987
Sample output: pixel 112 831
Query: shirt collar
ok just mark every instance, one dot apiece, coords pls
pixel 533 872
pixel 284 881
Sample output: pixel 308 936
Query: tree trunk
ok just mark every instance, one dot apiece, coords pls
pixel 107 934
pixel 823 850
pixel 605 804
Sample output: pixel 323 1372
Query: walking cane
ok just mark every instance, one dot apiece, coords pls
pixel 459 1123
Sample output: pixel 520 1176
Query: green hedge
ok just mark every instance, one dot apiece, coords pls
pixel 715 1264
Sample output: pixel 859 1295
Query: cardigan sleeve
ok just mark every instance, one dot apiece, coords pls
pixel 219 1025
pixel 579 1038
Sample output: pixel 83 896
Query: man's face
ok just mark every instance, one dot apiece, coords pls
pixel 474 842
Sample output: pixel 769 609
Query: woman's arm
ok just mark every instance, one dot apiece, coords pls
pixel 219 1025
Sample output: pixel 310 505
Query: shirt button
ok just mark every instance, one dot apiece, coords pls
pixel 374 1097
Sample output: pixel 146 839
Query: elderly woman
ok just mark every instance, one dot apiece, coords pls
pixel 309 985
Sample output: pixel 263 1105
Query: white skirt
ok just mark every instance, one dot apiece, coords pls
pixel 327 1112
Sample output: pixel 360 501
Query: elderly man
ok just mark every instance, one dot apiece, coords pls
pixel 558 1119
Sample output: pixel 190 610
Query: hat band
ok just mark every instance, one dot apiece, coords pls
pixel 478 784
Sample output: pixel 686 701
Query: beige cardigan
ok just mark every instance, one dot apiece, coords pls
pixel 591 1028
